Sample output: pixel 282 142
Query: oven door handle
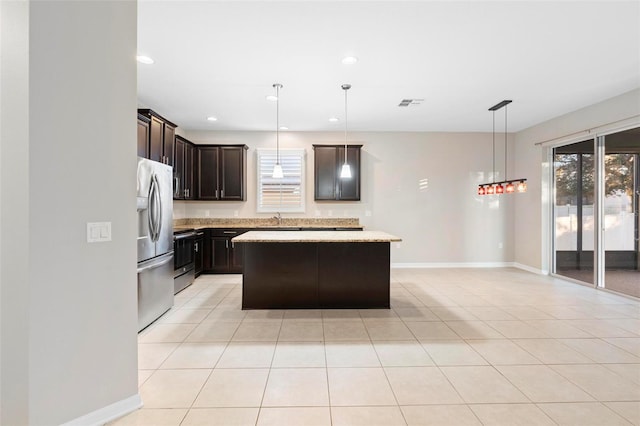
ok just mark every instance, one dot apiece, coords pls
pixel 183 236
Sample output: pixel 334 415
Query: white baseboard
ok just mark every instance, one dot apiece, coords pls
pixel 471 265
pixel 530 268
pixel 453 265
pixel 108 413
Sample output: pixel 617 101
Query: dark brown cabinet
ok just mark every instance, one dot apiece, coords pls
pixel 221 254
pixel 143 136
pixel 161 137
pixel 328 161
pixel 183 170
pixel 198 249
pixel 222 172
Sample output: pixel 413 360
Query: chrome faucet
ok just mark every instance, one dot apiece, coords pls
pixel 278 218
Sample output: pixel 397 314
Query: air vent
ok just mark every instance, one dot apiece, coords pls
pixel 407 102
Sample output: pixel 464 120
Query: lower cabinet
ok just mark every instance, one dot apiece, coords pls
pixel 221 255
pixel 199 253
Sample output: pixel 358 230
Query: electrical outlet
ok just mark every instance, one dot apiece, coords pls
pixel 207 213
pixel 235 213
pixel 367 213
pixel 329 213
pixel 499 245
pixel 318 213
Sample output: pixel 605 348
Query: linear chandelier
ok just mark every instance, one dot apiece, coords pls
pixel 507 186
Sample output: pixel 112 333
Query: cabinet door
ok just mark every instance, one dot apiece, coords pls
pixel 189 165
pixel 236 256
pixel 232 173
pixel 208 173
pixel 349 189
pixel 220 254
pixel 198 255
pixel 143 138
pixel 178 171
pixel 156 140
pixel 325 173
pixel 169 136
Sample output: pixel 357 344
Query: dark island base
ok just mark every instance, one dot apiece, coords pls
pixel 316 275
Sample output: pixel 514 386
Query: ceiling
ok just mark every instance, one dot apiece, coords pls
pixel 220 58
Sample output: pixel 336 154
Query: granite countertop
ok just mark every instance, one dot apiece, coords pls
pixel 315 237
pixel 201 223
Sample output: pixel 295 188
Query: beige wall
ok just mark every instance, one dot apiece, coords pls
pixel 444 222
pixel 69 313
pixel 532 224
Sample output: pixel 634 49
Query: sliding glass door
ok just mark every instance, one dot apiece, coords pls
pixel 597 181
pixel 620 215
pixel 574 178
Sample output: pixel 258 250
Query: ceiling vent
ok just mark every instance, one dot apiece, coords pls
pixel 407 102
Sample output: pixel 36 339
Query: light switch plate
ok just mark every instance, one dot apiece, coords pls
pixel 98 232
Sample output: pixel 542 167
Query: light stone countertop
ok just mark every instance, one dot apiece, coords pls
pixel 315 237
pixel 286 222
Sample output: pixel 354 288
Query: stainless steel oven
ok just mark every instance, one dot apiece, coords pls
pixel 184 259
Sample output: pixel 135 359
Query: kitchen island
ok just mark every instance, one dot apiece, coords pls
pixel 315 269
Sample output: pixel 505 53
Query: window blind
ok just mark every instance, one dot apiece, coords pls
pixel 283 194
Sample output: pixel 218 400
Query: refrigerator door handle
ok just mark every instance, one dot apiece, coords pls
pixel 162 260
pixel 154 211
pixel 152 207
pixel 158 190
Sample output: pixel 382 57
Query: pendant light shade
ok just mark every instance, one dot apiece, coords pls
pixel 507 186
pixel 277 172
pixel 277 169
pixel 345 172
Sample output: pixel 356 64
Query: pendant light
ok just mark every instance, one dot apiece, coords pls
pixel 505 186
pixel 345 172
pixel 277 169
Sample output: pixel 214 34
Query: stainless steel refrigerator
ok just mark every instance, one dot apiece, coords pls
pixel 155 240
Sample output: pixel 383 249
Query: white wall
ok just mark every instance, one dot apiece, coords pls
pixel 73 161
pixel 444 222
pixel 14 212
pixel 532 210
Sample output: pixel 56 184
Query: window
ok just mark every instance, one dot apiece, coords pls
pixel 285 194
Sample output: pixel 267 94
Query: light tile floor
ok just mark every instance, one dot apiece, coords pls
pixel 458 347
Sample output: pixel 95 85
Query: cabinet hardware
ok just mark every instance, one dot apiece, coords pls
pixel 229 232
pixel 222 193
pixel 226 244
pixel 195 247
pixel 216 193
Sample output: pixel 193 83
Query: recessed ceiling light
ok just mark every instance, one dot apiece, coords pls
pixel 284 128
pixel 349 60
pixel 144 59
pixel 272 98
pixel 334 119
pixel 212 118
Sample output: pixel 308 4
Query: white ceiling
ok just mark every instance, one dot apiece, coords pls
pixel 221 58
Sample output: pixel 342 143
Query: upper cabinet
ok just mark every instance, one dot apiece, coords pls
pixel 143 136
pixel 222 172
pixel 161 137
pixel 328 161
pixel 184 170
